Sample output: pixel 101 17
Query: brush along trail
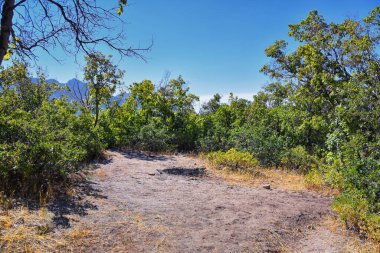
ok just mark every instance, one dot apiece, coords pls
pixel 167 203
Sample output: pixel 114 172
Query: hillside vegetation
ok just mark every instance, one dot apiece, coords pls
pixel 320 117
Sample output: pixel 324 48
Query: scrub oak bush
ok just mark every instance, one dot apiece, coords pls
pixel 41 139
pixel 298 159
pixel 233 160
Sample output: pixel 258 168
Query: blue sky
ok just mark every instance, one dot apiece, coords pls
pixel 217 46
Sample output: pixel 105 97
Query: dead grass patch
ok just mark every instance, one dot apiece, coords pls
pixel 277 178
pixel 323 189
pixel 22 230
pixel 79 234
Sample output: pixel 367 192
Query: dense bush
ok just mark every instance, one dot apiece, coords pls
pixel 298 159
pixel 41 140
pixel 233 160
pixel 357 213
pixel 152 138
pixel 157 118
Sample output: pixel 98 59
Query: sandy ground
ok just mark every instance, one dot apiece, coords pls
pixel 139 203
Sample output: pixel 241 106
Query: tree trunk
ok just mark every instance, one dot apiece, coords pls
pixel 97 102
pixel 96 114
pixel 6 27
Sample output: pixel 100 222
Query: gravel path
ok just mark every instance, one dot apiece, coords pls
pixel 141 204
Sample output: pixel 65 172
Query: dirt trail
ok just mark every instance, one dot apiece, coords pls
pixel 140 208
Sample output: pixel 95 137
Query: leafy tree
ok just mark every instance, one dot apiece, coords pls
pixel 218 121
pixel 321 115
pixel 177 111
pixel 168 108
pixel 102 79
pixel 212 105
pixel 335 78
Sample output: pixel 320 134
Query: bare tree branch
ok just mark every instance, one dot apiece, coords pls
pixel 72 25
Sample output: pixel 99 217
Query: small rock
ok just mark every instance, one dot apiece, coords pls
pixel 152 174
pixel 20 221
pixel 266 186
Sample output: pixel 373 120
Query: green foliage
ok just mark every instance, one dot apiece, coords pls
pixel 41 140
pixel 320 116
pixel 314 180
pixel 298 159
pixel 158 115
pixel 218 121
pixel 102 80
pixel 335 87
pixel 233 160
pixel 357 213
pixel 120 8
pixel 152 138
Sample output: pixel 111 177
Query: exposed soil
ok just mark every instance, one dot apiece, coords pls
pixel 146 203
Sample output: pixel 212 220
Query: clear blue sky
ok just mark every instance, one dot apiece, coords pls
pixel 216 45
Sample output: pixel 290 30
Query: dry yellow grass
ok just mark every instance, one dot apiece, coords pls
pixel 280 178
pixel 78 234
pixel 27 231
pixel 277 178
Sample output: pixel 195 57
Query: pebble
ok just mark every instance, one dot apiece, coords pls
pixel 266 186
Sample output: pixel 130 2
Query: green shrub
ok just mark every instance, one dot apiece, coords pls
pixel 298 159
pixel 356 212
pixel 259 140
pixel 232 160
pixel 41 139
pixel 153 138
pixel 314 179
pixel 35 150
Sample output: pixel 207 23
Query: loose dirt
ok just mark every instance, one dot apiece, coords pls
pixel 141 203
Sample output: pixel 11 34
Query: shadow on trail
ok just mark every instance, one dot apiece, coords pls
pixel 187 172
pixel 144 156
pixel 64 204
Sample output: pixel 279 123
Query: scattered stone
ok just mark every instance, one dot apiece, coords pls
pixel 20 221
pixel 266 186
pixel 152 174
